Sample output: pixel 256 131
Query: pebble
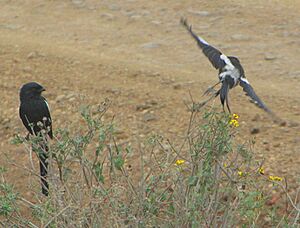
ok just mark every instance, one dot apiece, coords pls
pixel 129 13
pixel 256 118
pixel 293 124
pixel 276 145
pixel 240 37
pixel 59 98
pixel 79 3
pixel 254 130
pixel 152 102
pixel 32 55
pixel 156 22
pixel 12 26
pixel 150 45
pixel 142 107
pixel 177 86
pixel 270 56
pixel 27 69
pixel 295 74
pixel 70 95
pixel 199 13
pixel 113 91
pixel 114 7
pixel 136 17
pixel 265 141
pixel 107 16
pixel 149 117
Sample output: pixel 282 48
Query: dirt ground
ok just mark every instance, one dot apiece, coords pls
pixel 136 54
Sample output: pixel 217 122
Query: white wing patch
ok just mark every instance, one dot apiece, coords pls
pixel 47 105
pixel 229 65
pixel 245 80
pixel 202 40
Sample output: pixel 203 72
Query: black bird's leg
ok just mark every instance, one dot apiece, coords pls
pixel 211 89
pixel 210 98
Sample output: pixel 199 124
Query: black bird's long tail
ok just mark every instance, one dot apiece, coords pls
pixel 224 94
pixel 44 170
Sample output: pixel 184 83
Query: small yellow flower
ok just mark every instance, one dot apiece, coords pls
pixel 234 123
pixel 275 178
pixel 261 170
pixel 240 173
pixel 235 116
pixel 179 162
pixel 225 165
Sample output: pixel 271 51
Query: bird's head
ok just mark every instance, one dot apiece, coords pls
pixel 234 60
pixel 31 90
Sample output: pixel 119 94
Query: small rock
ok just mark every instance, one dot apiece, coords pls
pixel 129 13
pixel 199 13
pixel 256 118
pixel 156 22
pixel 70 95
pixel 59 98
pixel 27 69
pixel 265 142
pixel 114 7
pixel 240 37
pixel 296 140
pixel 255 130
pixel 32 55
pixel 107 16
pixel 149 117
pixel 5 121
pixel 114 91
pixel 177 86
pixel 293 124
pixel 276 145
pixel 282 123
pixel 142 107
pixel 78 3
pixel 295 74
pixel 120 133
pixel 270 56
pixel 152 102
pixel 150 45
pixel 12 26
pixel 136 17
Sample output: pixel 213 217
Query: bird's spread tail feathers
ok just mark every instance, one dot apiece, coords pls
pixel 224 94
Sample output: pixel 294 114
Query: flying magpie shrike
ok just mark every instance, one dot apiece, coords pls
pixel 35 115
pixel 231 72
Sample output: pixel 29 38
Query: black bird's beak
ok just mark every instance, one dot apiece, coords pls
pixel 42 89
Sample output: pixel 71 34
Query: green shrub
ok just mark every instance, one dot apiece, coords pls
pixel 204 180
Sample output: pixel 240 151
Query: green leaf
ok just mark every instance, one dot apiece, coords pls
pixel 119 162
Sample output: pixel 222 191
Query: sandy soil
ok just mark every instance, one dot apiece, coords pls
pixel 136 54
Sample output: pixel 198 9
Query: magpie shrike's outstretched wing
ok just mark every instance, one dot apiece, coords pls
pixel 217 59
pixel 247 88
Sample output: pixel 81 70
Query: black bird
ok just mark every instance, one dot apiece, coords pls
pixel 35 115
pixel 231 72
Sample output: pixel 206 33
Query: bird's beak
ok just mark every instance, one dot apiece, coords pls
pixel 42 89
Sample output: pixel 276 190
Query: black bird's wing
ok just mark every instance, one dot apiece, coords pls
pixel 217 59
pixel 247 88
pixel 34 111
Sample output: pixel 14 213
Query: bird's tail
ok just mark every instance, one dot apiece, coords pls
pixel 224 94
pixel 44 169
